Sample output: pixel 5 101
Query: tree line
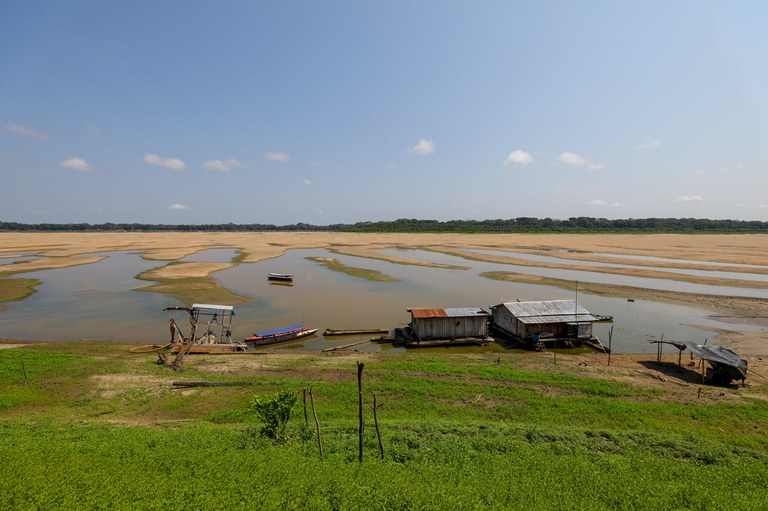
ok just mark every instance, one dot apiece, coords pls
pixel 512 225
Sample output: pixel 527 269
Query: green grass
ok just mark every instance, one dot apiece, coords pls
pixel 97 428
pixel 190 289
pixel 12 290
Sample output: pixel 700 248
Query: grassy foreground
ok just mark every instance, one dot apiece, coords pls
pixel 90 426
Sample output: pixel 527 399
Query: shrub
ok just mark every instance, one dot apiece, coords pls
pixel 274 412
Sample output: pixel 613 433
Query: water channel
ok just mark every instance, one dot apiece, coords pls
pixel 100 300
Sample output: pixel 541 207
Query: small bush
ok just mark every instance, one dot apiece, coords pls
pixel 274 412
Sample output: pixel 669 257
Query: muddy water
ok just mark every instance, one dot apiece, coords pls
pixel 99 301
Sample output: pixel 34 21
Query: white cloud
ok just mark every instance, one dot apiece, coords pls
pixel 595 166
pixel 307 182
pixel 690 198
pixel 597 202
pixel 650 143
pixel 177 207
pixel 571 159
pixel 618 205
pixel 519 157
pixel 77 164
pixel 762 206
pixel 222 165
pixel 27 131
pixel 277 156
pixel 423 147
pixel 166 163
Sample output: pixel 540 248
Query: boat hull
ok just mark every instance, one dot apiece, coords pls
pixel 212 348
pixel 258 340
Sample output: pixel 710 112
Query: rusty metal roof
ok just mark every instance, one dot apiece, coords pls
pixel 451 312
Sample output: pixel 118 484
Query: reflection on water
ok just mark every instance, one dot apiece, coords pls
pixel 93 301
pixel 99 301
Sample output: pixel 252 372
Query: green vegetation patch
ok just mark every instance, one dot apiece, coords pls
pixel 16 289
pixel 458 432
pixel 191 289
pixel 336 265
pixel 442 465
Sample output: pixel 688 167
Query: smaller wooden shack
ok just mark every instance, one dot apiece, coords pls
pixel 449 324
pixel 549 319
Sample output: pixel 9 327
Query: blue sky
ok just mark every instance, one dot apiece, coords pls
pixel 345 111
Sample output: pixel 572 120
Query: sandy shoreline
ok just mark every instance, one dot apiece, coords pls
pixel 700 251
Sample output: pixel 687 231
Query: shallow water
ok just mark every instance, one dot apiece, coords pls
pixel 99 301
pixel 602 278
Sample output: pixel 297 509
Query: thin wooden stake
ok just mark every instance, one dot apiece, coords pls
pixel 376 423
pixel 361 428
pixel 610 348
pixel 317 423
pixel 24 371
pixel 304 399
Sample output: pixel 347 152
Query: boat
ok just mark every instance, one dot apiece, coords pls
pixel 288 333
pixel 284 277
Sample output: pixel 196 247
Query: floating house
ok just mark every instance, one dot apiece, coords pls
pixel 449 324
pixel 537 321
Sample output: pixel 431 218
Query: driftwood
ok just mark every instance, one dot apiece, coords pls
pixel 339 331
pixel 345 346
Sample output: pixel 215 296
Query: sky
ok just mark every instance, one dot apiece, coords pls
pixel 279 112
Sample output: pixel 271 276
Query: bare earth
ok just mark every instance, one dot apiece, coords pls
pixel 58 250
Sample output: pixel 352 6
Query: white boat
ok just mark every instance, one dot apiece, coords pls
pixel 280 276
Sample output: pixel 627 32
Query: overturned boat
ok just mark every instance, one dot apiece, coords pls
pixel 725 364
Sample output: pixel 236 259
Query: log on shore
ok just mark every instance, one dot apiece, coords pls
pixel 340 331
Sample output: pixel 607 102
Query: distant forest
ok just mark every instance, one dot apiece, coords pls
pixel 513 225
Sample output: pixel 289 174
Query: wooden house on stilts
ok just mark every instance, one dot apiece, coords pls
pixel 542 321
pixel 460 325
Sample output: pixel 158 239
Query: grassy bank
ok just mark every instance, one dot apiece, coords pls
pixel 90 426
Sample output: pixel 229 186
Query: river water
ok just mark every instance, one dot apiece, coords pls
pixel 100 300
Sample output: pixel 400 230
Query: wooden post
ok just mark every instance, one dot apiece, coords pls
pixel 658 349
pixel 361 428
pixel 610 349
pixel 304 399
pixel 317 423
pixel 376 423
pixel 183 350
pixel 24 371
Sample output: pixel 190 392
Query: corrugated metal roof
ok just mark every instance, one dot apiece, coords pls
pixel 545 308
pixel 451 312
pixel 566 318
